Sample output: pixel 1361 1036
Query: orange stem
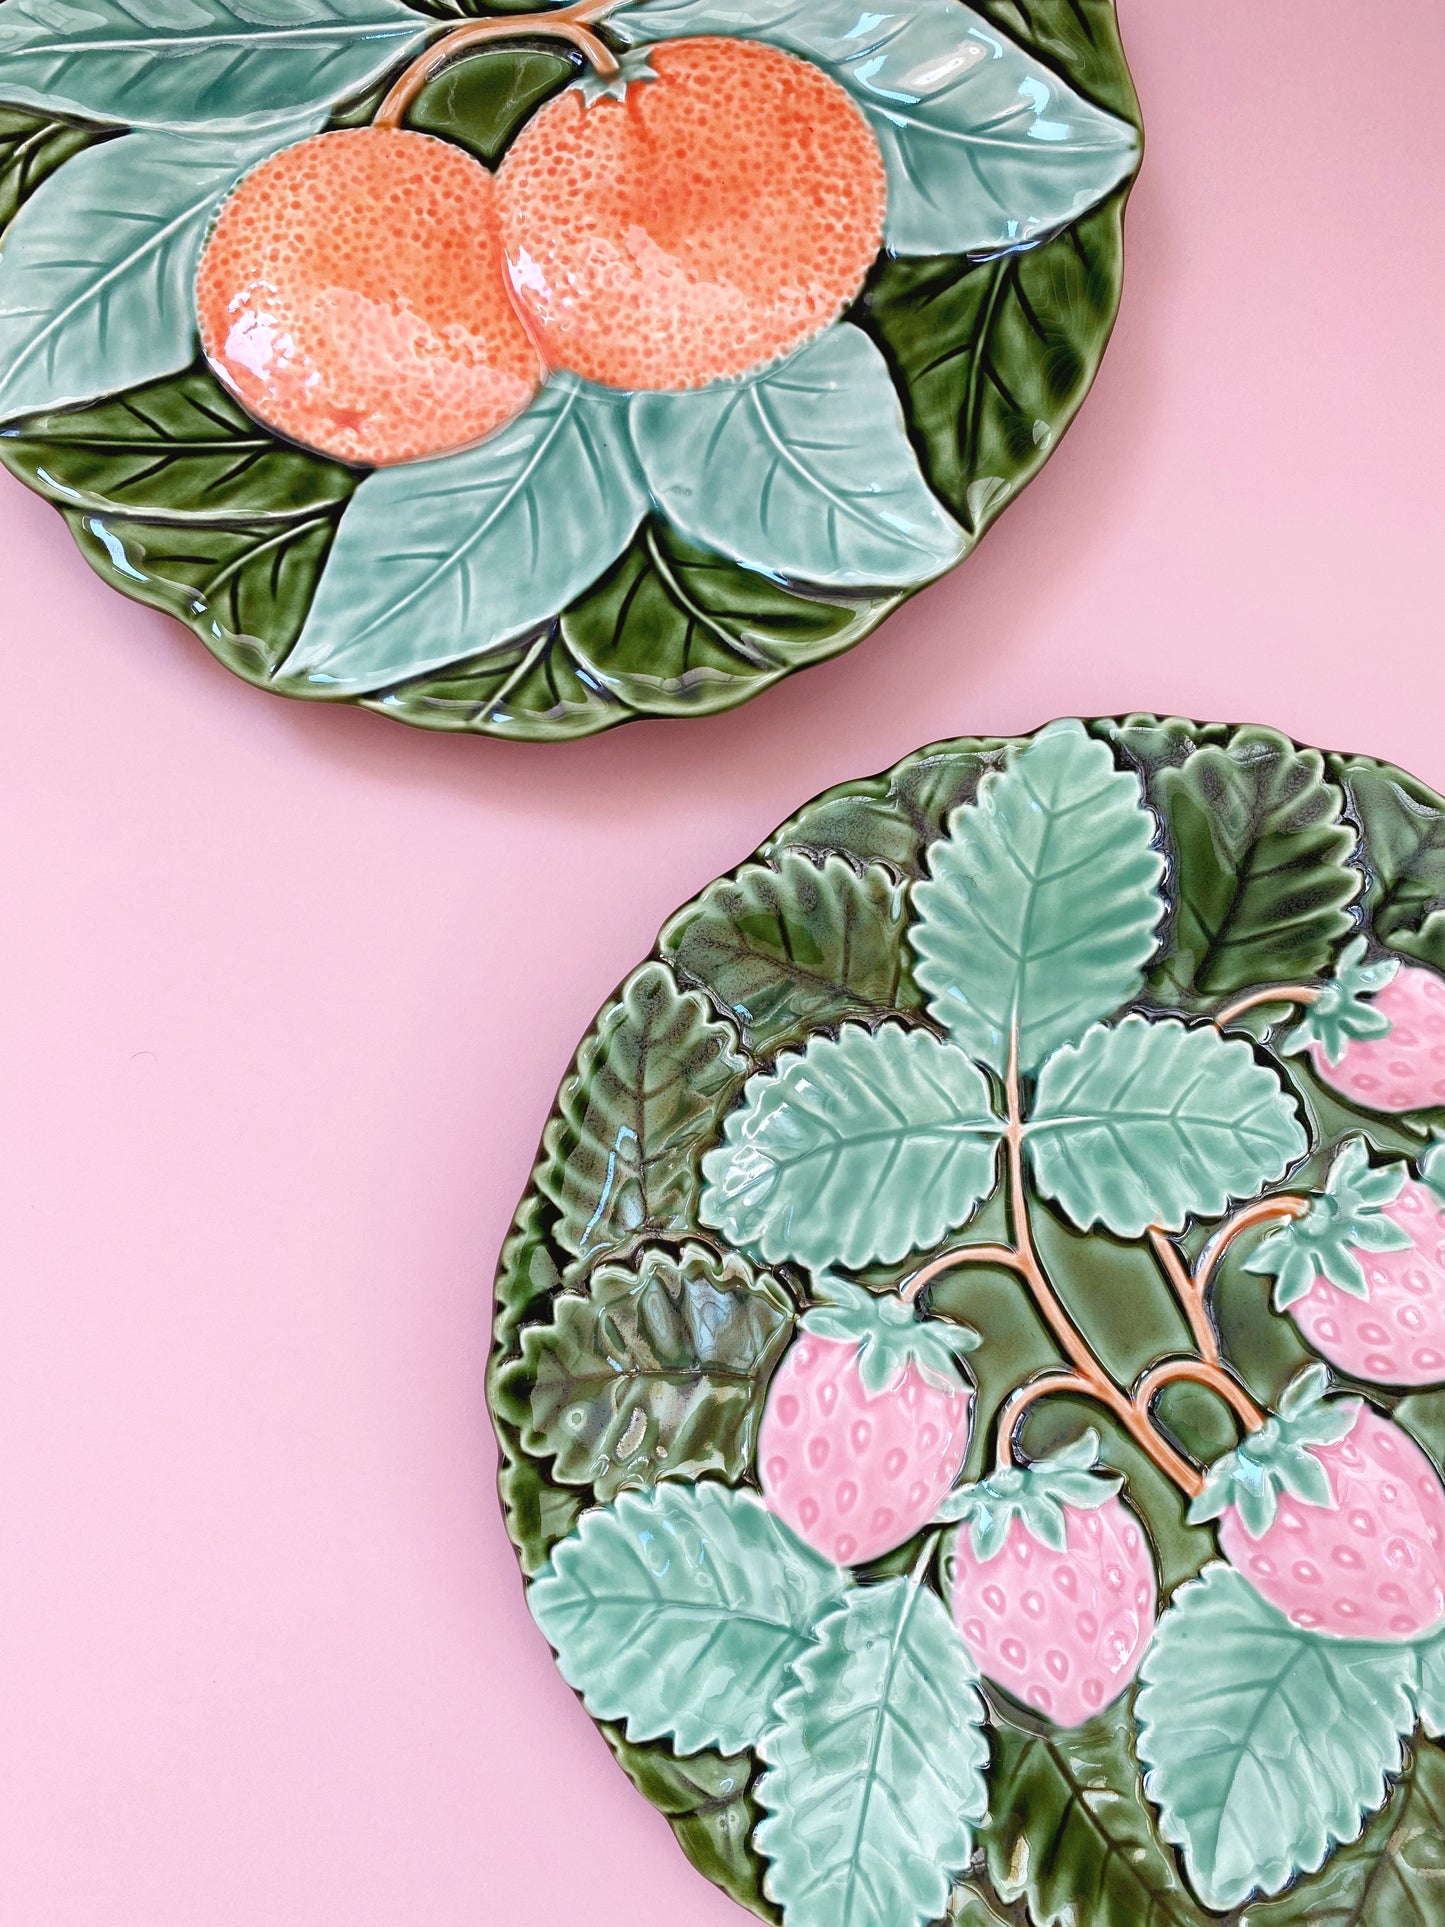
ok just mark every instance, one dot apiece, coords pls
pixel 1285 1205
pixel 1271 994
pixel 1188 1291
pixel 1214 1378
pixel 565 23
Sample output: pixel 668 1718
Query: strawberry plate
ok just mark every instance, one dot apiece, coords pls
pixel 527 371
pixel 970 1363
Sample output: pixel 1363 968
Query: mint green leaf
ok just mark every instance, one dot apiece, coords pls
pixel 203 64
pixel 658 1371
pixel 1042 900
pixel 679 1611
pixel 1264 1745
pixel 1392 1876
pixel 1342 1009
pixel 875 1779
pixel 985 146
pixel 1432 1686
pixel 805 471
pixel 861 1147
pixel 648 1087
pixel 97 276
pixel 1152 1123
pixel 440 560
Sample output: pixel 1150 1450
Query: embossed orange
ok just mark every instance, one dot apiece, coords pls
pixel 713 219
pixel 352 296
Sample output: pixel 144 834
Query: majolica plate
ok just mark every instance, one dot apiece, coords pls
pixel 970 1364
pixel 528 371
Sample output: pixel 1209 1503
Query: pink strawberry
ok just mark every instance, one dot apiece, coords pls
pixel 866 1423
pixel 1362 1273
pixel 1335 1516
pixel 1053 1584
pixel 1387 1053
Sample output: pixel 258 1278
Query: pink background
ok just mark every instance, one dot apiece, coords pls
pixel 288 992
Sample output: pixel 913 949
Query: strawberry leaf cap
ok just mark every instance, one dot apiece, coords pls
pixel 890 1336
pixel 1348 1217
pixel 1278 1458
pixel 632 66
pixel 1040 1494
pixel 1340 1012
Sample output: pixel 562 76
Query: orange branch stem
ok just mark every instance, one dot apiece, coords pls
pixel 1189 1292
pixel 1213 1378
pixel 564 23
pixel 1260 1212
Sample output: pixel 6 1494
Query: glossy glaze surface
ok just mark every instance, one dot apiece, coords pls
pixel 527 373
pixel 990 1086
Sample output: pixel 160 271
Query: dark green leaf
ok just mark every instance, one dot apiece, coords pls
pixel 709 1806
pixel 994 358
pixel 659 1372
pixel 31 148
pixel 644 1096
pixel 1264 873
pixel 176 448
pixel 1393 1876
pixel 244 587
pixel 1404 829
pixel 1079 37
pixel 795 945
pixel 671 629
pixel 482 102
pixel 538 1513
pixel 1070 1830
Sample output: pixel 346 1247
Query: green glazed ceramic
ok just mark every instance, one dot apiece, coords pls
pixel 529 370
pixel 970 1364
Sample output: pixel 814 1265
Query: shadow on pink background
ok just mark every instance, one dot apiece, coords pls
pixel 288 992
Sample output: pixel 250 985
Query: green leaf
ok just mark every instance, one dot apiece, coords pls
pixel 671 630
pixel 793 946
pixel 659 1372
pixel 985 146
pixel 678 1612
pixel 1080 40
pixel 1393 1876
pixel 1264 872
pixel 1404 830
pixel 1151 1123
pixel 875 1779
pixel 1042 901
pixel 179 449
pixel 98 269
pixel 205 64
pixel 436 561
pixel 245 586
pixel 833 495
pixel 31 148
pixel 861 1147
pixel 1069 1830
pixel 1265 1746
pixel 708 1803
pixel 994 358
pixel 481 103
pixel 647 1088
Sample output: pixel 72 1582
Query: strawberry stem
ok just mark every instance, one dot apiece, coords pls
pixel 1214 1378
pixel 564 23
pixel 1270 994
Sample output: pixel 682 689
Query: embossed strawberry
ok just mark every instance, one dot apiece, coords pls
pixel 866 1423
pixel 1362 1273
pixel 1335 1516
pixel 1053 1583
pixel 1376 1033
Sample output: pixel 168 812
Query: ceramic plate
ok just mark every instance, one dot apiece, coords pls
pixel 969 1364
pixel 529 373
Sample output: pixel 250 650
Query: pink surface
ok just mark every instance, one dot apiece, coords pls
pixel 289 991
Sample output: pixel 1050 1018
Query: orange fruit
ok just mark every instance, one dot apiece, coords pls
pixel 709 221
pixel 352 296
